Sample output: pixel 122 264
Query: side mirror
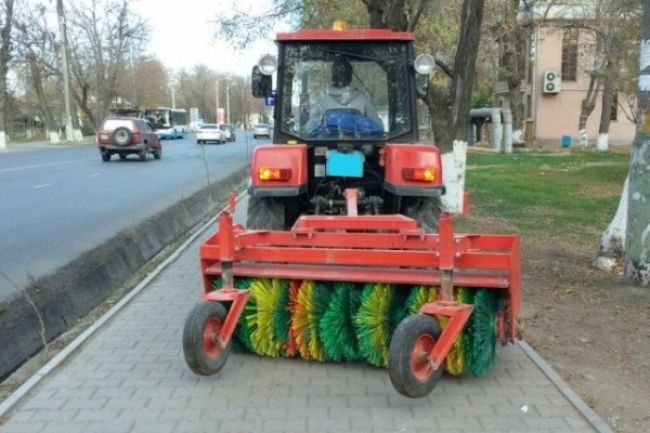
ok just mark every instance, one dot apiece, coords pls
pixel 422 84
pixel 261 85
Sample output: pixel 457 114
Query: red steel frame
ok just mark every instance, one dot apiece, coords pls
pixel 363 248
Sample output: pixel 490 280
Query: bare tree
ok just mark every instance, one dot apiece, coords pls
pixel 36 49
pixel 101 34
pixel 6 18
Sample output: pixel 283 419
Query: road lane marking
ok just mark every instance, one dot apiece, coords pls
pixel 43 185
pixel 47 164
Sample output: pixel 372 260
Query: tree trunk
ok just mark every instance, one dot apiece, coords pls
pixel 464 68
pixel 587 107
pixel 612 241
pixel 5 57
pixel 514 62
pixel 37 82
pixel 82 100
pixel 602 144
pixel 387 14
pixel 454 156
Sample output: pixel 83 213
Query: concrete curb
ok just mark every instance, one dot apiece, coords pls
pixel 588 413
pixel 15 397
pixel 52 304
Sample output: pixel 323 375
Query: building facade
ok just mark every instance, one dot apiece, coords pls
pixel 567 51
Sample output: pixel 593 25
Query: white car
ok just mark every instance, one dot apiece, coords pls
pixel 261 130
pixel 210 132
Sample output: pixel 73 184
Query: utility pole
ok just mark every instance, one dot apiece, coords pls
pixel 637 237
pixel 132 78
pixel 64 63
pixel 173 96
pixel 217 112
pixel 227 103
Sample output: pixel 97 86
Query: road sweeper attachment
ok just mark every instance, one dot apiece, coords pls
pixel 374 288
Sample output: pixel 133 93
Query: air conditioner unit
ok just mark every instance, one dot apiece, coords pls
pixel 551 82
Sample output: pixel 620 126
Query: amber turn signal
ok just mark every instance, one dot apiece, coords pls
pixel 425 174
pixel 270 174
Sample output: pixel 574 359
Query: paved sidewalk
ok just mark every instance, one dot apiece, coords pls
pixel 131 377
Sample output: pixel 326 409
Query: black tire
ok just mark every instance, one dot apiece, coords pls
pixel 199 142
pixel 123 156
pixel 254 136
pixel 157 154
pixel 203 356
pixel 425 210
pixel 410 377
pixel 266 213
pixel 122 136
pixel 106 157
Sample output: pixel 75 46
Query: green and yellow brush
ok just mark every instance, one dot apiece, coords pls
pixel 339 321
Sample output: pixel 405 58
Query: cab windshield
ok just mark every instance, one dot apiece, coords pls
pixel 351 91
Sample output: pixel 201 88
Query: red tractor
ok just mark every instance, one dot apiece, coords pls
pixel 345 117
pixel 346 254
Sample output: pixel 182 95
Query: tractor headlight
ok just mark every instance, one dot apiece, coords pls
pixel 267 64
pixel 424 64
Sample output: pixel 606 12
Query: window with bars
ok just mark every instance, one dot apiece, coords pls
pixel 570 54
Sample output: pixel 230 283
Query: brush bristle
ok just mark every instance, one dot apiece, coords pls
pixel 300 318
pixel 481 332
pixel 336 327
pixel 373 323
pixel 267 296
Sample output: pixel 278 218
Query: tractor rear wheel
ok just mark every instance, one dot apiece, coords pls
pixel 266 213
pixel 424 210
pixel 409 366
pixel 203 353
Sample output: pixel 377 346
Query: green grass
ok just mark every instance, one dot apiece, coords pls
pixel 548 192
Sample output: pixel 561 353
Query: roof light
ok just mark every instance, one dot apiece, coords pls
pixel 425 174
pixel 267 64
pixel 424 64
pixel 340 25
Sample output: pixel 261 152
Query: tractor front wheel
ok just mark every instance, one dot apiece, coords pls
pixel 203 352
pixel 409 366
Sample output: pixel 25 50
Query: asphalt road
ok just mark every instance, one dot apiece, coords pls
pixel 56 203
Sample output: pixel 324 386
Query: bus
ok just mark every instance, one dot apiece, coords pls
pixel 167 122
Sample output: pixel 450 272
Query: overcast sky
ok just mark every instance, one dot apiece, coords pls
pixel 182 35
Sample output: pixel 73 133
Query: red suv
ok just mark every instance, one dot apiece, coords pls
pixel 126 135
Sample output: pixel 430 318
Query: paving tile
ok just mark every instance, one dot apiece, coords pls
pixel 131 377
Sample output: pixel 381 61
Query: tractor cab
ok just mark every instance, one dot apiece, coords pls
pixel 345 102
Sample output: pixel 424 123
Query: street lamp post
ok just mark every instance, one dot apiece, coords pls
pixel 637 240
pixel 64 67
pixel 227 103
pixel 216 114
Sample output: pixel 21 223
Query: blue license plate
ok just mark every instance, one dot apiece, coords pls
pixel 344 164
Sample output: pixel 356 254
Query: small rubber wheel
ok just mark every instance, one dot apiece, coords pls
pixel 106 157
pixel 157 154
pixel 203 354
pixel 409 368
pixel 123 156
